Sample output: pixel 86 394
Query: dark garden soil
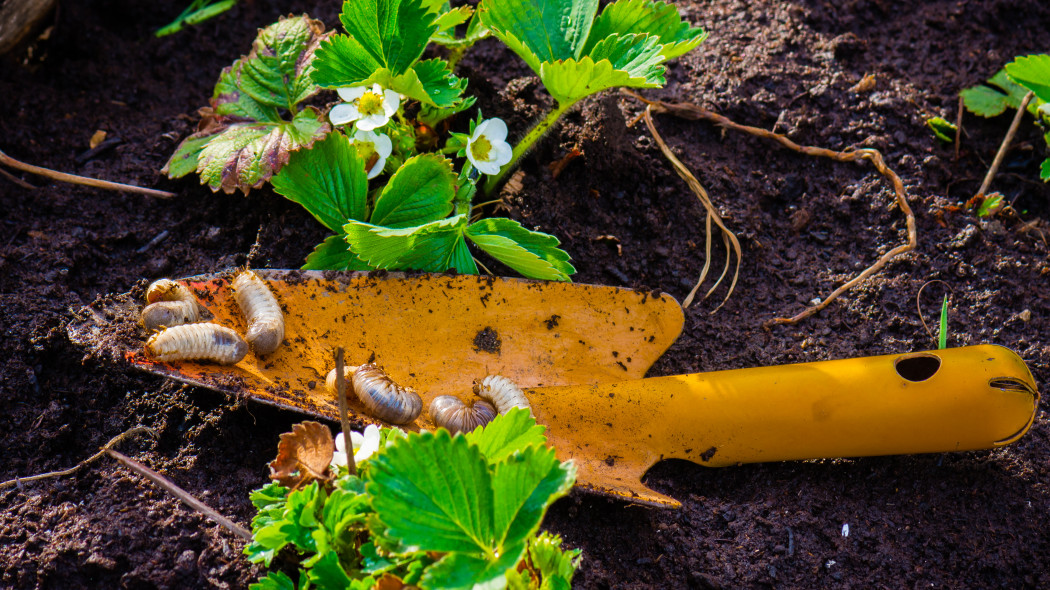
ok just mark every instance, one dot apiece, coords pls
pixel 964 520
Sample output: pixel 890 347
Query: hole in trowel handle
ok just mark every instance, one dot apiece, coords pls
pixel 917 367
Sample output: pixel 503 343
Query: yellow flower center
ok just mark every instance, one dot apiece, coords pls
pixel 481 149
pixel 370 103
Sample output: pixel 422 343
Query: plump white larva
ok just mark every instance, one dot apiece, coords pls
pixel 502 392
pixel 381 397
pixel 197 342
pixel 168 290
pixel 260 307
pixel 166 314
pixel 170 304
pixel 455 415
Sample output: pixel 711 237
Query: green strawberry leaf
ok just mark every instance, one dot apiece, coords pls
pixel 570 80
pixel 273 581
pixel 533 254
pixel 432 247
pixel 334 254
pixel 1044 170
pixel 555 565
pixel 328 574
pixel 988 102
pixel 419 192
pixel 523 485
pixel 393 32
pixel 328 180
pixel 513 431
pixel 434 493
pixel 458 571
pixel 1032 72
pixel 541 30
pixel 341 61
pixel 646 17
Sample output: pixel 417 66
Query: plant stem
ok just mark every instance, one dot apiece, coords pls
pixel 538 130
pixel 1006 144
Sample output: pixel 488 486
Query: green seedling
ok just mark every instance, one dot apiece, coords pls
pixel 990 205
pixel 576 54
pixel 197 12
pixel 1008 88
pixel 942 331
pixel 942 129
pixel 427 509
pixel 255 118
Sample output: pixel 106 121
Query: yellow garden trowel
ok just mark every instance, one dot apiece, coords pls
pixel 580 352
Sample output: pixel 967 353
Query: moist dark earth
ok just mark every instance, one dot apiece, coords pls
pixel 958 520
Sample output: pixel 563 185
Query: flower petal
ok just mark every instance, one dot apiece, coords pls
pixel 383 147
pixel 495 130
pixel 490 168
pixel 343 113
pixel 351 93
pixel 340 443
pixel 391 101
pixel 501 153
pixel 372 122
pixel 339 459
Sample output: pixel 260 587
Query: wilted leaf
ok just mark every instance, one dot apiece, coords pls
pixel 243 139
pixel 303 455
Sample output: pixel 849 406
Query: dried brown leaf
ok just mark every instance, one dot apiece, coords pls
pixel 303 455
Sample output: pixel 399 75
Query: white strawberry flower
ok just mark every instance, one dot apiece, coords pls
pixel 364 445
pixel 488 149
pixel 372 146
pixel 371 107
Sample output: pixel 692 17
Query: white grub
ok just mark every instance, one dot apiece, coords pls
pixel 502 392
pixel 260 307
pixel 168 290
pixel 452 413
pixel 197 342
pixel 170 304
pixel 167 314
pixel 381 397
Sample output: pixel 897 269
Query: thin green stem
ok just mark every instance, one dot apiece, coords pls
pixel 538 130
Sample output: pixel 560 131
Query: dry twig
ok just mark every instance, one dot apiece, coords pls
pixel 344 414
pixel 1005 145
pixel 82 180
pixel 694 112
pixel 181 494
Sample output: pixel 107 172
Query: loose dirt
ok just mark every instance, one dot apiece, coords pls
pixel 965 520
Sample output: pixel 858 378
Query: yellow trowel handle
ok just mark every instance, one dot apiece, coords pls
pixel 946 400
pixel 956 399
